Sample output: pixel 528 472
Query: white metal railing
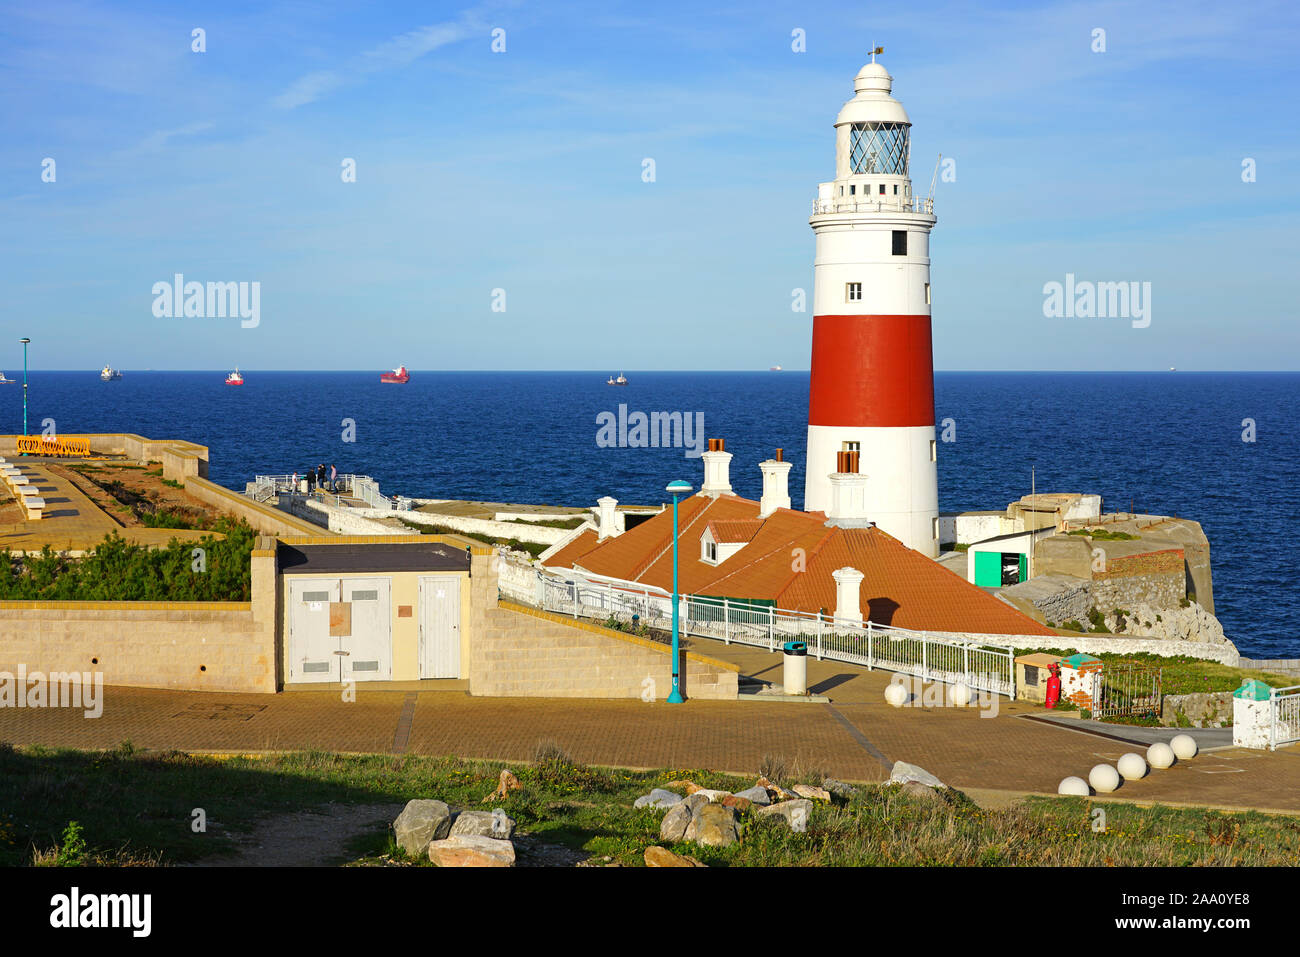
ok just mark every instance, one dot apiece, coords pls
pixel 821 207
pixel 1285 713
pixel 362 487
pixel 932 656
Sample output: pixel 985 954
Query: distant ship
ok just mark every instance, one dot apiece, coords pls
pixel 619 381
pixel 774 369
pixel 1172 369
pixel 4 380
pixel 398 375
pixel 108 374
pixel 235 378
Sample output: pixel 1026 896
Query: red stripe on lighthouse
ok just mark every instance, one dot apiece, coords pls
pixel 871 371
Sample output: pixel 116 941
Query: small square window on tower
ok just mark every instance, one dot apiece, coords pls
pixel 934 451
pixel 927 294
pixel 934 529
pixel 882 189
pixel 852 189
pixel 900 242
pixel 853 292
pixel 895 189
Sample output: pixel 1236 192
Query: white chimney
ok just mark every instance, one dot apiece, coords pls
pixel 848 494
pixel 776 484
pixel 717 470
pixel 607 518
pixel 848 591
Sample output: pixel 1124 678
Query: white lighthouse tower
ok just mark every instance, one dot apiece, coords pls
pixel 872 368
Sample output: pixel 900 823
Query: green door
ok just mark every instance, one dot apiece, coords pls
pixel 988 569
pixel 1024 567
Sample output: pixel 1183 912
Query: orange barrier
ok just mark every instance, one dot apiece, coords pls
pixel 39 445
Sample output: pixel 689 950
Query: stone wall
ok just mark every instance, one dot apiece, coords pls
pixel 1225 653
pixel 1055 598
pixel 265 518
pixel 197 646
pixel 345 521
pixel 536 534
pixel 1157 579
pixel 1208 709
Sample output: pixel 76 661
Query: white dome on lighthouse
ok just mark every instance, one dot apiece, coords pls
pixel 872 102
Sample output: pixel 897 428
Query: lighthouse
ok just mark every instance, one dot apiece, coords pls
pixel 872 389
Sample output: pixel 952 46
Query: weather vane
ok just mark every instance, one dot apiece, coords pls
pixel 874 51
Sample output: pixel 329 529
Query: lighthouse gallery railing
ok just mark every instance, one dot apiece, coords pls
pixel 984 665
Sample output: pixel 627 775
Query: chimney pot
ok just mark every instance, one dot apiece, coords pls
pixel 780 455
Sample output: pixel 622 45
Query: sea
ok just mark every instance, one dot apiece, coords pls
pixel 1220 448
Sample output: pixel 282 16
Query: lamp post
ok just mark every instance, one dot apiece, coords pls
pixel 677 488
pixel 24 341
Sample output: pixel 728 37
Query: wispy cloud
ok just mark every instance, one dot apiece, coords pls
pixel 397 52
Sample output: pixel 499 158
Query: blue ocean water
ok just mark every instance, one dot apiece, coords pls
pixel 1167 443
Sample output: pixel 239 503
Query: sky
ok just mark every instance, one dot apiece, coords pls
pixel 500 217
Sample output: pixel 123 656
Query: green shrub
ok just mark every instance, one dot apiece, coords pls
pixel 118 570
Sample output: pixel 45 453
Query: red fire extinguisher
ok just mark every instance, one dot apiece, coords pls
pixel 1053 687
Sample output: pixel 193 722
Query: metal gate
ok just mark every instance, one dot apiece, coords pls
pixel 1286 716
pixel 439 627
pixel 1128 689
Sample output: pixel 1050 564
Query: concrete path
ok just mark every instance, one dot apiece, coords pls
pixel 855 737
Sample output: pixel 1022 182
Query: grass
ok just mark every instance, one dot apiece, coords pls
pixel 567 523
pixel 532 548
pixel 1104 535
pixel 1184 675
pixel 128 807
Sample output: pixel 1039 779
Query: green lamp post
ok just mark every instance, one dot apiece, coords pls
pixel 677 489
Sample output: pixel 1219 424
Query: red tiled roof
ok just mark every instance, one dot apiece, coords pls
pixel 735 531
pixel 571 552
pixel 789 559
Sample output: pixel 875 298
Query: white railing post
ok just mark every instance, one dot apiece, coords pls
pixel 925 658
pixel 965 662
pixel 771 628
pixel 726 622
pixel 871 642
pixel 819 635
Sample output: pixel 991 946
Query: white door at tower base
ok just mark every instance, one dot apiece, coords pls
pixel 369 647
pixel 311 649
pixel 440 627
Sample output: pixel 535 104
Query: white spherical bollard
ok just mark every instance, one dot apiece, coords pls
pixel 1161 755
pixel 1073 786
pixel 959 694
pixel 1103 778
pixel 1184 746
pixel 1132 766
pixel 896 695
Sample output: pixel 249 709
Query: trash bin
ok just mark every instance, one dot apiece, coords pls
pixel 795 674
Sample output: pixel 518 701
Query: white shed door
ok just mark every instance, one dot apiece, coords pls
pixel 311 649
pixel 440 627
pixel 370 646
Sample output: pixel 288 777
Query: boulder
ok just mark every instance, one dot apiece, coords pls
pixel 469 850
pixel 420 822
pixel 812 792
pixel 839 788
pixel 713 826
pixel 756 795
pixel 690 787
pixel 904 772
pixel 778 792
pixel 795 813
pixel 924 793
pixel 484 824
pixel 673 827
pixel 737 802
pixel 712 795
pixel 658 798
pixel 656 856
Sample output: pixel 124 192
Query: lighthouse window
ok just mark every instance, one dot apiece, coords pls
pixel 879 148
pixel 895 189
pixel 853 190
pixel 900 242
pixel 853 292
pixel 882 189
pixel 927 294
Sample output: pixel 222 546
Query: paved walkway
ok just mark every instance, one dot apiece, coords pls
pixel 72 522
pixel 855 737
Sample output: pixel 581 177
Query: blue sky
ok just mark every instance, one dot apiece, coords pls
pixel 522 171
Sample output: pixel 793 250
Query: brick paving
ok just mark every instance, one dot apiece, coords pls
pixel 1002 753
